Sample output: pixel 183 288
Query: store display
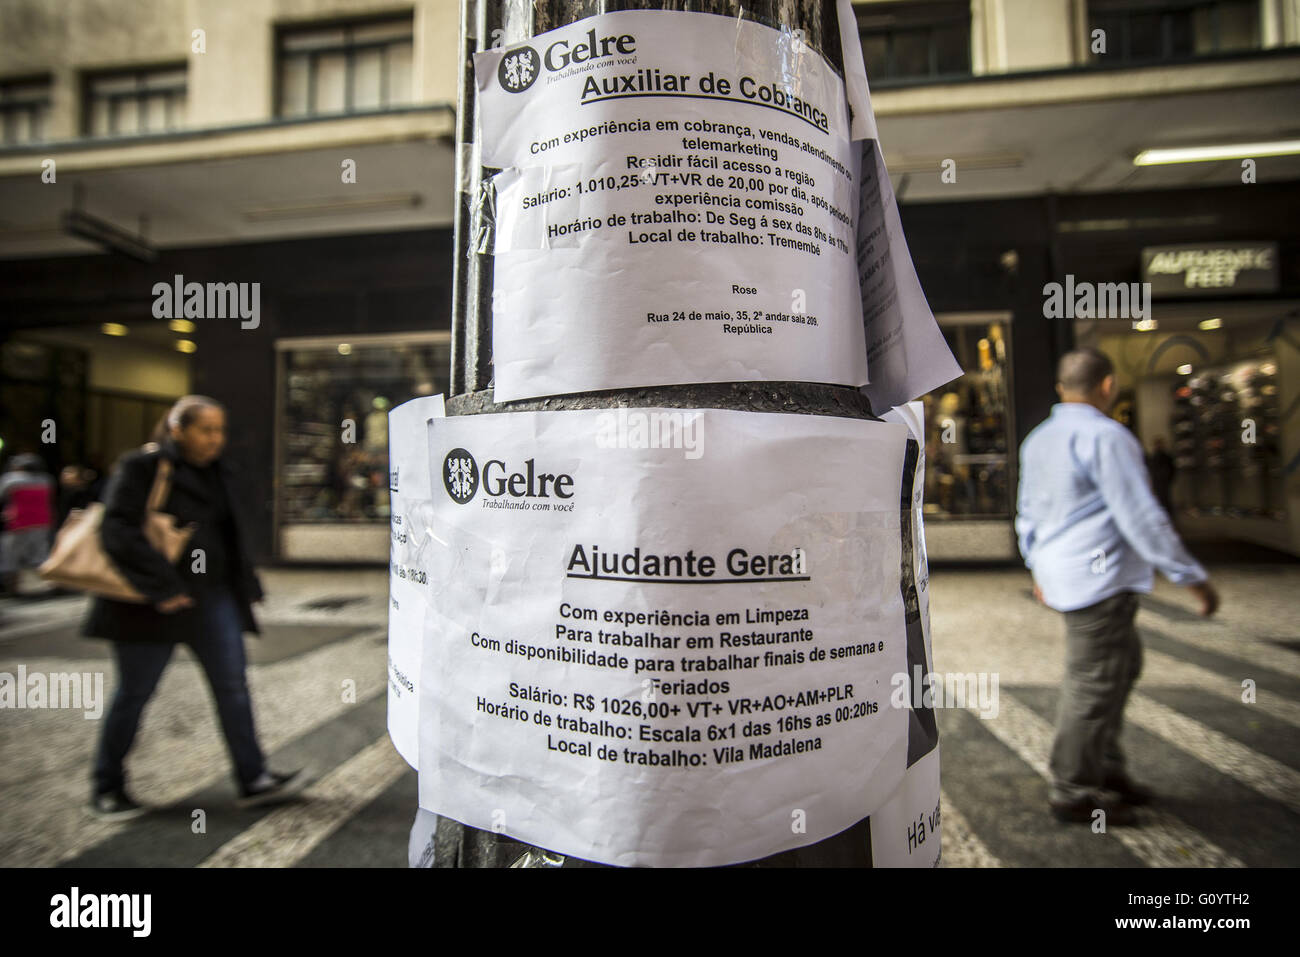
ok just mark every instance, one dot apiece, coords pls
pixel 1225 428
pixel 967 429
pixel 345 391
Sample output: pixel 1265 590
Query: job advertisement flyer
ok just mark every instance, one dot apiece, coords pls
pixel 906 351
pixel 410 518
pixel 641 145
pixel 905 830
pixel 664 637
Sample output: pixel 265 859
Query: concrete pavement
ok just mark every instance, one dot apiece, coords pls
pixel 1227 769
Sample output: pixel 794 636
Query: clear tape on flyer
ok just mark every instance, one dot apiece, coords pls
pixel 536 857
pixel 483 219
pixel 466 168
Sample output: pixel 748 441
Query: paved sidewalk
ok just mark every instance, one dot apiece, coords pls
pixel 1228 769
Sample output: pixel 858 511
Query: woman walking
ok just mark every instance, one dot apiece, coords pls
pixel 204 600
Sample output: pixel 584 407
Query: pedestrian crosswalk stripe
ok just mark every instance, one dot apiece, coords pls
pixel 1269 777
pixel 12 632
pixel 1167 671
pixel 180 750
pixel 1253 651
pixel 290 832
pixel 1161 841
pixel 961 847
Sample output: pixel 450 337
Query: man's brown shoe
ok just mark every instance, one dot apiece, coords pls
pixel 1129 792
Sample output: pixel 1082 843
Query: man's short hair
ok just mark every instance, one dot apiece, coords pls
pixel 1083 370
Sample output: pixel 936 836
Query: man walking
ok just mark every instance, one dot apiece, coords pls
pixel 1091 532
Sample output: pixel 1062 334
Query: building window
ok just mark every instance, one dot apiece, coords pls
pixel 323 484
pixel 24 111
pixel 348 68
pixel 135 102
pixel 969 435
pixel 919 39
pixel 1145 31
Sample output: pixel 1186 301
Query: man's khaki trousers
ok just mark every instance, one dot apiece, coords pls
pixel 1103 658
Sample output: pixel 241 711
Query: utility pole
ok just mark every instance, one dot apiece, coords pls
pixel 496 23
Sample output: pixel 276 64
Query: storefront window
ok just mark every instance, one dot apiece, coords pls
pixel 1207 397
pixel 334 403
pixel 1225 425
pixel 968 425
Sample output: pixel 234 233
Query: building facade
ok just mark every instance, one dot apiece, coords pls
pixel 1036 144
pixel 295 160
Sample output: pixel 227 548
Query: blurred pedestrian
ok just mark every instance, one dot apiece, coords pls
pixel 1091 532
pixel 74 490
pixel 204 600
pixel 1162 468
pixel 26 517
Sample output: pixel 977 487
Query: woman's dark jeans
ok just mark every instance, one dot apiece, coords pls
pixel 219 646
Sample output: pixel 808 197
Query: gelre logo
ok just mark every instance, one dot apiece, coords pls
pixel 518 69
pixel 460 475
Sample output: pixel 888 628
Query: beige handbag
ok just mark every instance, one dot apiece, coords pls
pixel 78 559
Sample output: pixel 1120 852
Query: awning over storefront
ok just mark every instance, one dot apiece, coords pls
pixel 357 174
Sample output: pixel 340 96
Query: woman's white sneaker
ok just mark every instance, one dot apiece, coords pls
pixel 116 806
pixel 272 787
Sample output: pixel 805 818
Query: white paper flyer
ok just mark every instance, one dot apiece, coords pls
pixel 676 205
pixel 665 637
pixel 410 517
pixel 906 352
pixel 626 163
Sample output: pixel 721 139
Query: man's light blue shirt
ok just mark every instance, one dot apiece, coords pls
pixel 1088 523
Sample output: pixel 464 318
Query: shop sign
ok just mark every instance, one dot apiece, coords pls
pixel 1210 269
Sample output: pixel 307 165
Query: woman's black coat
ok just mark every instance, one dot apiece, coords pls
pixel 146 568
